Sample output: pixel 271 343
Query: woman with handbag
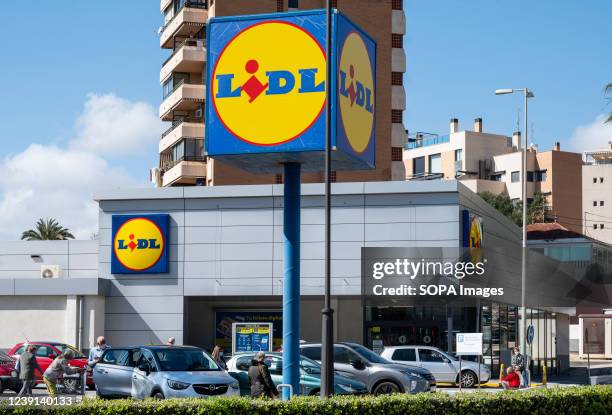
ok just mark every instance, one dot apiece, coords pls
pixel 260 379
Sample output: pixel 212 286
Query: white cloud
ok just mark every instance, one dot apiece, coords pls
pixel 59 182
pixel 591 136
pixel 111 125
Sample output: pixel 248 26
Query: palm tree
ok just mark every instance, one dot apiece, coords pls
pixel 47 230
pixel 608 90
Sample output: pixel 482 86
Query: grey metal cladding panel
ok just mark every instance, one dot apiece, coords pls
pixel 25 262
pixel 246 234
pixel 316 215
pixel 83 261
pixel 446 243
pixel 160 321
pixel 314 286
pixel 229 203
pixel 228 269
pixel 84 273
pixel 144 305
pixel 315 268
pixel 246 252
pixel 139 193
pixel 177 218
pixel 59 286
pixel 203 218
pixel 316 233
pixel 202 234
pixel 412 231
pixel 196 270
pixel 229 287
pixel 132 337
pixel 235 217
pixel 203 252
pixel 318 201
pixel 409 199
pixel 316 250
pixel 142 206
pixel 199 192
pixel 175 270
pixel 441 213
pixel 7 287
pixel 425 186
pixel 77 247
pixel 146 287
pixel 34 247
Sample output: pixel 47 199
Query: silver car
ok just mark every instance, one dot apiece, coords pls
pixel 380 375
pixel 444 366
pixel 161 372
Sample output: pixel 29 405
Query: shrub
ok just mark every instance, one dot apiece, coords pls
pixel 559 401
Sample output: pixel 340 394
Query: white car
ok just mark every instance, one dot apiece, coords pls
pixel 444 366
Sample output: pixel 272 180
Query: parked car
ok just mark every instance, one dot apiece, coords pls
pixel 444 366
pixel 161 372
pixel 379 374
pixel 310 375
pixel 8 376
pixel 46 352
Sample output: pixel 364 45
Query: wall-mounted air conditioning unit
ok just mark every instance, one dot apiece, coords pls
pixel 49 271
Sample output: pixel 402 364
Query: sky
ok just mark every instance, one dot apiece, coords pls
pixel 80 91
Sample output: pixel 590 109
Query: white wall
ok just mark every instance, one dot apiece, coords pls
pixel 597 192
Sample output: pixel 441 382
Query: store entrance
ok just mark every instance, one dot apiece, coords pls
pixel 394 334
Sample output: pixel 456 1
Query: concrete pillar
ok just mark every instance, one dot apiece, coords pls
pixel 580 338
pixel 608 338
pixel 71 322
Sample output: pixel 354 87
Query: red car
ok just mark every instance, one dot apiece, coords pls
pixel 46 352
pixel 8 379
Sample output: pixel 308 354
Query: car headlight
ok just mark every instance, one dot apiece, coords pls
pixel 411 373
pixel 413 385
pixel 235 385
pixel 175 384
pixel 345 387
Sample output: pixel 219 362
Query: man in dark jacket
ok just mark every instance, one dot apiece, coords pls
pixel 260 379
pixel 27 366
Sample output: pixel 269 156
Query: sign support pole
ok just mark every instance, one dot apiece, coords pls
pixel 291 280
pixel 327 344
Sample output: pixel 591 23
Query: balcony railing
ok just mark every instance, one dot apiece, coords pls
pixel 186 42
pixel 202 4
pixel 179 84
pixel 426 141
pixel 168 164
pixel 176 123
pixel 426 176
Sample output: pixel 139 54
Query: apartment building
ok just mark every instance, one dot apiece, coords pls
pixel 493 163
pixel 597 194
pixel 182 159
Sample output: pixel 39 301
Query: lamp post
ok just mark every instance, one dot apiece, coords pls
pixel 522 328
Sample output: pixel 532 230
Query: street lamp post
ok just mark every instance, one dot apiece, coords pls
pixel 522 329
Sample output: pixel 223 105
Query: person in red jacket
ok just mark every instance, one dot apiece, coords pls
pixel 511 380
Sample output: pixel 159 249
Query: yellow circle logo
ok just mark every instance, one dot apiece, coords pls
pixel 139 244
pixel 356 92
pixel 268 84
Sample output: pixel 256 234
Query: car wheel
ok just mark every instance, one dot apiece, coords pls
pixel 386 388
pixel 468 379
pixel 1 387
pixel 158 395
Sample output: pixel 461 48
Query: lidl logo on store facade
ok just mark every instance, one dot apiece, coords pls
pixel 140 244
pixel 269 95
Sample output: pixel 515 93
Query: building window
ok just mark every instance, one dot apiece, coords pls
pixel 459 154
pixel 601 226
pixel 278 179
pixel 594 226
pixel 530 176
pixel 397 153
pixel 435 163
pixel 294 4
pixel 397 41
pixel 397 4
pixel 280 6
pixel 397 116
pixel 594 202
pixel 333 177
pixel 515 176
pixel 594 179
pixel 601 180
pixel 397 78
pixel 418 165
pixel 496 177
pixel 540 176
pixel 601 203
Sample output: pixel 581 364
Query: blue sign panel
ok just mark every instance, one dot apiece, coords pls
pixel 139 244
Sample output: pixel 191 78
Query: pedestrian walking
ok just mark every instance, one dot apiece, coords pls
pixel 217 355
pixel 58 367
pixel 260 379
pixel 96 352
pixel 519 363
pixel 27 367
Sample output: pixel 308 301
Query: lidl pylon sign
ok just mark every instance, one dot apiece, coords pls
pixel 266 92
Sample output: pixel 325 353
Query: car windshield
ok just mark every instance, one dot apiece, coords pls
pixel 185 360
pixel 63 347
pixel 368 354
pixel 310 366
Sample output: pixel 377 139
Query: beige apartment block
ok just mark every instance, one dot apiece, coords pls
pixel 182 159
pixel 597 194
pixel 493 163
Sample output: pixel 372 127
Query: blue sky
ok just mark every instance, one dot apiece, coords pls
pixel 74 71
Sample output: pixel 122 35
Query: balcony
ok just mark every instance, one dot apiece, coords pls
pixel 398 97
pixel 187 128
pixel 184 171
pixel 422 141
pixel 398 22
pixel 186 22
pixel 189 56
pixel 399 138
pixel 398 60
pixel 186 96
pixel 163 5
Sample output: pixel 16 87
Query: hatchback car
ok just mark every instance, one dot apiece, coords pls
pixel 161 372
pixel 379 374
pixel 46 352
pixel 8 376
pixel 310 375
pixel 444 366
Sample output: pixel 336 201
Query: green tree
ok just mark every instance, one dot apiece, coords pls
pixel 47 230
pixel 608 91
pixel 536 211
